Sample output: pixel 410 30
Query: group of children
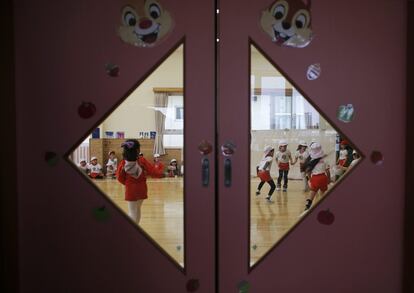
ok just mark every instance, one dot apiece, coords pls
pixel 95 171
pixel 315 171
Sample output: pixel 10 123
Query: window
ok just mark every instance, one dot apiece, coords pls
pixel 276 105
pixel 174 122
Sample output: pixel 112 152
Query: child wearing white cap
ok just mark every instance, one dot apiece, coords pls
pixel 83 166
pixel 283 157
pixel 158 167
pixel 319 173
pixel 111 165
pixel 355 159
pixel 173 169
pixel 95 169
pixel 263 171
pixel 302 154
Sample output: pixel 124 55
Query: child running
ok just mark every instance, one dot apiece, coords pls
pixel 319 173
pixel 283 157
pixel 263 171
pixel 302 154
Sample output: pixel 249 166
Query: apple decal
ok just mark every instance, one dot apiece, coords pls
pixel 205 147
pixel 326 217
pixel 51 158
pixel 86 110
pixel 377 158
pixel 243 287
pixel 101 214
pixel 228 149
pixel 112 69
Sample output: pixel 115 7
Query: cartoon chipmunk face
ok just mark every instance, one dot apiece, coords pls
pixel 143 23
pixel 288 22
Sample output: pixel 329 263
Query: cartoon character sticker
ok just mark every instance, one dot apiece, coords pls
pixel 288 23
pixel 144 23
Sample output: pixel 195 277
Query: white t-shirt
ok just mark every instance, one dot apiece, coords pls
pixel 320 168
pixel 112 163
pixel 302 156
pixel 83 168
pixel 95 168
pixel 266 163
pixel 343 154
pixel 283 157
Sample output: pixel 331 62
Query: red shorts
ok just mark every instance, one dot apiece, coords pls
pixel 284 166
pixel 319 181
pixel 342 162
pixel 264 176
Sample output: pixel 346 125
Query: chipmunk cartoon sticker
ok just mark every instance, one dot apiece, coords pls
pixel 144 23
pixel 288 22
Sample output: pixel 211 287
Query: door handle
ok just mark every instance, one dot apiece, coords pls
pixel 205 148
pixel 205 172
pixel 227 172
pixel 228 149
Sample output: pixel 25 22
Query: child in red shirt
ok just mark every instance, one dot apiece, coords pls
pixel 132 173
pixel 158 166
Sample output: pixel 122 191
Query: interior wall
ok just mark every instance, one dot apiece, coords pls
pixel 135 113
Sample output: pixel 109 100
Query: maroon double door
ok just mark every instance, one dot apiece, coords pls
pixel 61 52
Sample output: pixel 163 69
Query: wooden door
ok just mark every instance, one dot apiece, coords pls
pixel 360 47
pixel 62 54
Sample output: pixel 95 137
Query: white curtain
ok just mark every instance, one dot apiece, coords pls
pixel 161 101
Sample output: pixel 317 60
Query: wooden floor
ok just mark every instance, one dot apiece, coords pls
pixel 271 221
pixel 162 213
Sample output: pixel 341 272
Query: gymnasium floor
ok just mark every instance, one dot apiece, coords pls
pixel 162 213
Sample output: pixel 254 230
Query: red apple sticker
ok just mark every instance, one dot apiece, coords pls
pixel 326 217
pixel 112 69
pixel 377 158
pixel 86 110
pixel 101 214
pixel 205 147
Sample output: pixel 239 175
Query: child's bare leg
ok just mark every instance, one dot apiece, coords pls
pixel 310 199
pixel 139 205
pixel 132 210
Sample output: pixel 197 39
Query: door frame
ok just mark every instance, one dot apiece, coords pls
pixel 408 253
pixel 9 200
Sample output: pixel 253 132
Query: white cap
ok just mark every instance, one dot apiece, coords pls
pixel 268 149
pixel 302 142
pixel 156 155
pixel 94 158
pixel 283 142
pixel 316 151
pixel 354 152
pixel 173 160
pixel 82 160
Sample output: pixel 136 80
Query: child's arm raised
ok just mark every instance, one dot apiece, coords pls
pixel 148 167
pixel 120 173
